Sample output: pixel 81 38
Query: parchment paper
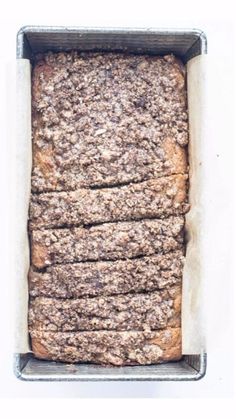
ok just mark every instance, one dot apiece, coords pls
pixel 193 337
pixel 21 193
pixel 193 318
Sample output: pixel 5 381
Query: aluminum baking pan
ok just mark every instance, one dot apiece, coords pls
pixel 185 43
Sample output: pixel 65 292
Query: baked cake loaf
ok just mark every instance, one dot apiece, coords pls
pixel 106 216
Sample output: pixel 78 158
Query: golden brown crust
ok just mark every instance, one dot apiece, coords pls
pixel 38 349
pixel 43 159
pixel 175 155
pixel 39 255
pixel 172 351
pixel 42 72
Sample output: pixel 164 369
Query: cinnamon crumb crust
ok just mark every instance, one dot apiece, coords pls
pixel 108 278
pixel 144 311
pixel 121 240
pixel 104 118
pixel 109 347
pixel 150 199
pixel 109 194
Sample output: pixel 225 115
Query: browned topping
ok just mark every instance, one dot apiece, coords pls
pixel 109 347
pixel 111 241
pixel 151 199
pixel 109 118
pixel 149 311
pixel 107 263
pixel 107 278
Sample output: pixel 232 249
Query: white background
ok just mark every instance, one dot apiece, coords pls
pixel 219 27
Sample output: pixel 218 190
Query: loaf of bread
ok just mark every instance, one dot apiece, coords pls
pixel 108 198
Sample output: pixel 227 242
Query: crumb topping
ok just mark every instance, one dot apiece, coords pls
pixel 103 119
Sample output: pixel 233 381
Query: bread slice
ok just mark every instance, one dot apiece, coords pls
pixel 144 311
pixel 109 347
pixel 104 119
pixel 110 241
pixel 108 278
pixel 154 198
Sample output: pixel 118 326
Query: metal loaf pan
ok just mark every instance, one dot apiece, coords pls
pixel 185 43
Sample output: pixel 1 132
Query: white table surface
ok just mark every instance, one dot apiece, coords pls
pixel 219 237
